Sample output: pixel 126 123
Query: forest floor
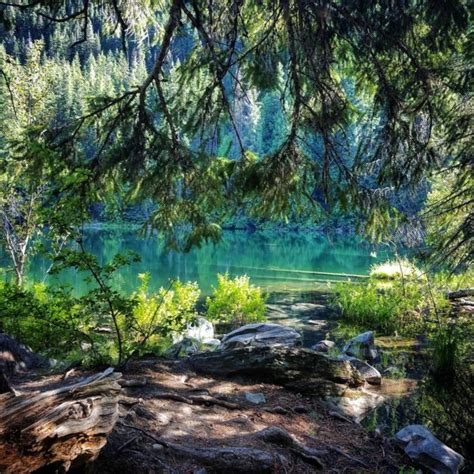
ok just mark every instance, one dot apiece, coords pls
pixel 163 408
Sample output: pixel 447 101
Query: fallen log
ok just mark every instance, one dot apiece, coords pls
pixel 59 428
pixel 464 293
pixel 296 368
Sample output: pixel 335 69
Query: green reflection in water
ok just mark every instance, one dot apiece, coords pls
pixel 277 262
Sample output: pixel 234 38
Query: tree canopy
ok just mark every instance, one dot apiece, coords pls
pixel 369 96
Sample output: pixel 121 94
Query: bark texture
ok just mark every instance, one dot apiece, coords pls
pixel 59 428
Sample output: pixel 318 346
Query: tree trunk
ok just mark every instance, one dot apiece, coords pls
pixel 59 428
pixel 296 368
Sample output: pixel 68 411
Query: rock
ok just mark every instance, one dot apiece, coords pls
pixel 186 346
pixel 183 348
pixel 202 330
pixel 370 374
pixel 425 449
pixel 15 357
pixel 300 409
pixel 323 346
pixel 261 335
pixel 298 369
pixel 256 398
pixel 355 404
pixel 362 347
pixel 308 308
pixel 158 447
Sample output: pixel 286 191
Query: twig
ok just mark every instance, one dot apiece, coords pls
pixel 127 443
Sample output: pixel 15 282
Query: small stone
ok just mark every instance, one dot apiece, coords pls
pixel 323 346
pixel 355 404
pixel 300 409
pixel 158 447
pixel 256 398
pixel 370 374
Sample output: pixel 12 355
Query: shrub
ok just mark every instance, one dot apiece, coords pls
pixel 395 270
pixel 49 320
pixel 236 301
pixel 158 315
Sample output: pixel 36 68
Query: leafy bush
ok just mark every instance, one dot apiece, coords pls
pixel 49 320
pixel 158 315
pixel 236 301
pixel 102 326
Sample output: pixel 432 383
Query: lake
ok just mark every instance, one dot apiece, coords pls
pixel 275 261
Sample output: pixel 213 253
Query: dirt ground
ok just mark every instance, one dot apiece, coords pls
pixel 162 411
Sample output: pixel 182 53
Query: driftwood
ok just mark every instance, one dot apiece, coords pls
pixel 60 428
pixel 296 368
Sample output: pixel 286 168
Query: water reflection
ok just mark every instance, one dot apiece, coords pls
pixel 274 261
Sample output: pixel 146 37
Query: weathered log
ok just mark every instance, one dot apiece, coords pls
pixel 464 293
pixel 63 427
pixel 301 369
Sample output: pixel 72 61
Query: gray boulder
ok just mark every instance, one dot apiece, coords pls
pixel 428 451
pixel 323 346
pixel 370 374
pixel 362 347
pixel 16 357
pixel 261 335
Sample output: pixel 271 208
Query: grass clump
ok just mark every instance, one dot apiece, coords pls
pixel 395 270
pixel 387 310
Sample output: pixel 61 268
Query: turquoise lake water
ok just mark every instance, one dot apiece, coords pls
pixel 277 262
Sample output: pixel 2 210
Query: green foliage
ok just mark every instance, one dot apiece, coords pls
pixel 102 326
pixel 236 301
pixel 49 320
pixel 387 309
pixel 446 344
pixel 159 315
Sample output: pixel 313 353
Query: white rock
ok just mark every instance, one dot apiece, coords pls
pixel 425 449
pixel 201 330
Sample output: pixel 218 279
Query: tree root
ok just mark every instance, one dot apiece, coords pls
pixel 281 437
